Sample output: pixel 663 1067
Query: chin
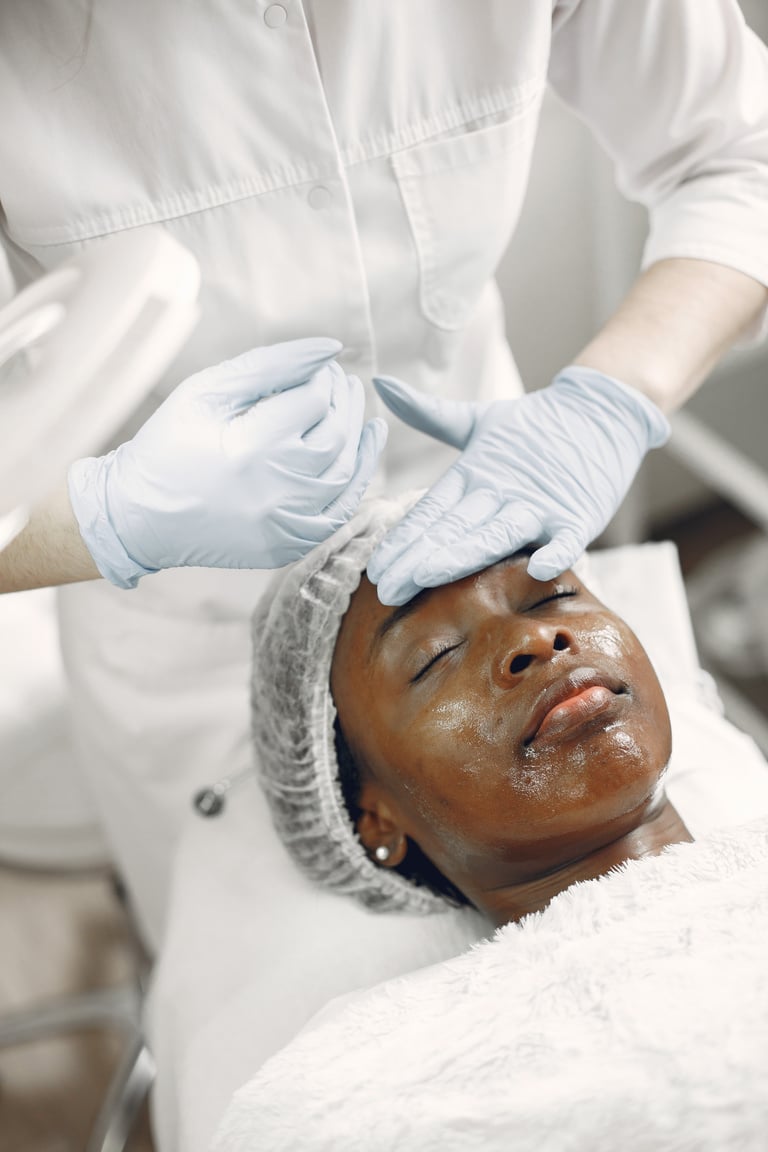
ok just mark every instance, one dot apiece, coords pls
pixel 628 808
pixel 612 785
pixel 634 755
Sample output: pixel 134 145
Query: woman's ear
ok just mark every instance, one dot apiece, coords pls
pixel 379 830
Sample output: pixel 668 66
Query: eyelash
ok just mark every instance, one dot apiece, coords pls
pixel 433 660
pixel 562 591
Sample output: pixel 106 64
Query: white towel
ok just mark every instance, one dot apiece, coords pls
pixel 632 1013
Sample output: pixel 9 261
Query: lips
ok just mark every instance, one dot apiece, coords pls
pixel 580 704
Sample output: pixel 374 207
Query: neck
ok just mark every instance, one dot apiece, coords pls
pixel 661 828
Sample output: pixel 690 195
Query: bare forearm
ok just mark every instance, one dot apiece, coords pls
pixel 678 319
pixel 49 551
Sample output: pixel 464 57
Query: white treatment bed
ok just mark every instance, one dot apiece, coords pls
pixel 250 952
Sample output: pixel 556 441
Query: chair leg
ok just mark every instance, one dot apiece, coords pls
pixel 127 1092
pixel 117 1006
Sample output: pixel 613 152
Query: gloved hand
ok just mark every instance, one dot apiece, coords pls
pixel 246 465
pixel 550 468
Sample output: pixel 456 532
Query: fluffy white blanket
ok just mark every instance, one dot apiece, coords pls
pixel 632 1014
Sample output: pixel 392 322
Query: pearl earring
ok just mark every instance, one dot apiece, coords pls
pixel 382 853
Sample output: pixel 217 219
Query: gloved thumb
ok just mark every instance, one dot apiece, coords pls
pixel 372 440
pixel 451 421
pixel 267 370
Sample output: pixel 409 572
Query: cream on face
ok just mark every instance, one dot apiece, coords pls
pixel 511 725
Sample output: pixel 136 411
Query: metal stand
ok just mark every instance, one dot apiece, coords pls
pixel 745 485
pixel 119 1007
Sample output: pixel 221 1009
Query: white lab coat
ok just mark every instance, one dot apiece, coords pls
pixel 344 167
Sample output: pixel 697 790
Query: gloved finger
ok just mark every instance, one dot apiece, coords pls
pixel 476 507
pixel 277 423
pixel 501 536
pixel 307 528
pixel 557 556
pixel 316 496
pixel 396 581
pixel 396 585
pixel 450 421
pixel 331 445
pixel 372 441
pixel 442 496
pixel 404 590
pixel 265 371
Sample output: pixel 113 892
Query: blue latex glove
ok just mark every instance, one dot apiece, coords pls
pixel 245 465
pixel 549 468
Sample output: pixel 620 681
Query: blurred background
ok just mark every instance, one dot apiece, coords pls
pixel 65 929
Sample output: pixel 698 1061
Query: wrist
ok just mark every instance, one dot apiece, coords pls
pixel 616 397
pixel 49 550
pixel 87 483
pixel 675 323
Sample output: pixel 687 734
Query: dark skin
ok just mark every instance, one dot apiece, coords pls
pixel 515 730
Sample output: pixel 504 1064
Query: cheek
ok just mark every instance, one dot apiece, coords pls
pixel 462 731
pixel 607 637
pixel 647 738
pixel 438 770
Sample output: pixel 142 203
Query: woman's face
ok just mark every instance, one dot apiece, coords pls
pixel 508 726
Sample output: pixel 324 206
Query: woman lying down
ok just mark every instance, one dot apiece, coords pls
pixel 503 742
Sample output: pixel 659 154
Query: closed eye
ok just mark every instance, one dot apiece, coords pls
pixel 443 651
pixel 560 592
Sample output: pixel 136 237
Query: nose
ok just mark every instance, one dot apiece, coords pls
pixel 537 643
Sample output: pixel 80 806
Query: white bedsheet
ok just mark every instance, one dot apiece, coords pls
pixel 251 952
pixel 631 1013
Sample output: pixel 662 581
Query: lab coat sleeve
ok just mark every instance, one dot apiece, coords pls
pixel 676 91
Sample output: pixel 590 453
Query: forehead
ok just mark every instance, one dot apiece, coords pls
pixel 365 618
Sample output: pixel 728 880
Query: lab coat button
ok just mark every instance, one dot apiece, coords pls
pixel 319 197
pixel 208 802
pixel 275 16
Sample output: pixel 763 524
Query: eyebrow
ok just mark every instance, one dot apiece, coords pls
pixel 402 612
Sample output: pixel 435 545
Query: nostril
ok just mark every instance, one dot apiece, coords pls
pixel 561 642
pixel 520 663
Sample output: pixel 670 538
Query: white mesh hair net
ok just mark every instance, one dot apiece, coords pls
pixel 294 630
pixel 294 634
